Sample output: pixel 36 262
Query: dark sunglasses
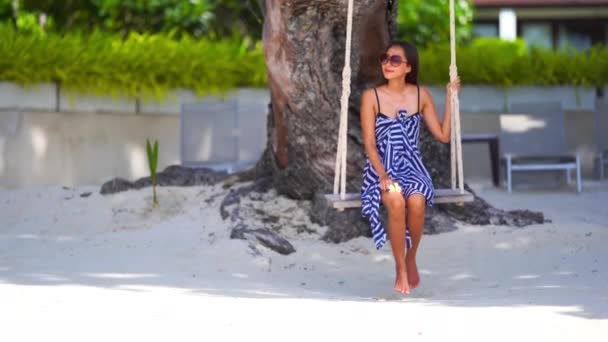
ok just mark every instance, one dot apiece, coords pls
pixel 395 60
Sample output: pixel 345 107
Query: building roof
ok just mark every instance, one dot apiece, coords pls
pixel 527 3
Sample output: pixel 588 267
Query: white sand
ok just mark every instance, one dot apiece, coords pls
pixel 111 269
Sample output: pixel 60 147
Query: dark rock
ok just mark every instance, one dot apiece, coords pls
pixel 212 198
pixel 480 212
pixel 522 218
pixel 143 182
pixel 268 218
pixel 266 237
pixel 263 184
pixel 436 222
pixel 234 196
pixel 116 185
pixel 235 214
pixel 251 174
pixel 85 194
pixel 303 229
pixel 343 225
pixel 174 175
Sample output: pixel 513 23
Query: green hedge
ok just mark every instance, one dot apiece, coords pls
pixel 501 63
pixel 103 63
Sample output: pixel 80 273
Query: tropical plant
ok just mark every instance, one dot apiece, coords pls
pixel 151 65
pixel 426 22
pixel 152 164
pixel 198 18
pixel 140 65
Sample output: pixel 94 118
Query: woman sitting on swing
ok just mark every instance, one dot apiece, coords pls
pixel 394 173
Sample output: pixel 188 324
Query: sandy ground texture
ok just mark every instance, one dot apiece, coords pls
pixel 111 268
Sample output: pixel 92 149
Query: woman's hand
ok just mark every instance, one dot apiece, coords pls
pixel 454 85
pixel 385 182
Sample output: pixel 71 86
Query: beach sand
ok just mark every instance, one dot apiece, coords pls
pixel 111 268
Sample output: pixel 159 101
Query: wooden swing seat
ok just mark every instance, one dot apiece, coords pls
pixel 353 200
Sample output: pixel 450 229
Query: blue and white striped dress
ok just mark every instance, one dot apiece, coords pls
pixel 397 144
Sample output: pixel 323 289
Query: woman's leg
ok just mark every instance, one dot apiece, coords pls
pixel 415 221
pixel 395 205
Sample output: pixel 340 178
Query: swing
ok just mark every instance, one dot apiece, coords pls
pixel 456 194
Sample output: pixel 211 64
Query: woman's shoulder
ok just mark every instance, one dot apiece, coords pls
pixel 369 92
pixel 424 92
pixel 425 97
pixel 422 87
pixel 372 89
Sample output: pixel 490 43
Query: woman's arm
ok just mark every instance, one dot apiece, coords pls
pixel 368 127
pixel 440 130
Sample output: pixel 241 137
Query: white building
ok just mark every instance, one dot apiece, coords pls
pixel 544 23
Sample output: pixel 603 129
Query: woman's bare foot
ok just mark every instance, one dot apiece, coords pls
pixel 413 278
pixel 401 282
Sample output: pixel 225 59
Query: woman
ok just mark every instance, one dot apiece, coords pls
pixel 394 173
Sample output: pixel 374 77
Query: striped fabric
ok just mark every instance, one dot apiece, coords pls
pixel 397 143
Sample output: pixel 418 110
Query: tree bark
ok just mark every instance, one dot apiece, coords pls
pixel 304 42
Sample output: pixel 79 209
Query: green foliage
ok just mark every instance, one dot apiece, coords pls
pixel 6 9
pixel 28 23
pixel 502 63
pixel 140 64
pixel 152 158
pixel 427 22
pixel 149 65
pixel 210 18
pixel 152 153
pixel 66 14
pixel 192 16
pixel 237 17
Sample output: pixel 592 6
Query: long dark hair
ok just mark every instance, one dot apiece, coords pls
pixel 411 54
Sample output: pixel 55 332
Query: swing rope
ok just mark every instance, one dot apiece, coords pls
pixel 340 170
pixel 456 143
